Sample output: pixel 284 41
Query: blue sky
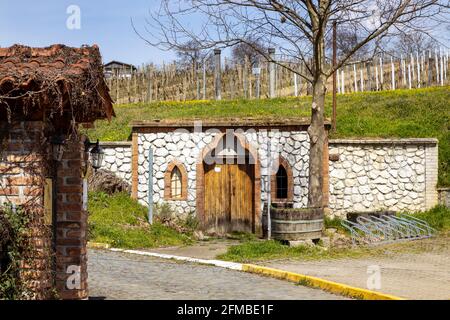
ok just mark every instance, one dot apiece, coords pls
pixel 104 22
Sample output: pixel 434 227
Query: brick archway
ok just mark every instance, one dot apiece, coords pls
pixel 200 178
pixel 290 182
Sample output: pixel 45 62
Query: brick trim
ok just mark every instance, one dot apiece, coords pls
pixel 273 182
pixel 326 173
pixel 431 176
pixel 134 165
pixel 200 174
pixel 167 181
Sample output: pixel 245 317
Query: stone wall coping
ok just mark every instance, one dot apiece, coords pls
pixel 443 189
pixel 115 144
pixel 232 123
pixel 409 141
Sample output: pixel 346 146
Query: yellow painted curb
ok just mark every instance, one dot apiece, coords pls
pixel 98 245
pixel 323 284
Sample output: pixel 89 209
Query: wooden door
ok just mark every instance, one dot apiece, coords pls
pixel 229 198
pixel 241 200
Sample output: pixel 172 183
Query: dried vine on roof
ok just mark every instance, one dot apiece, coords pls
pixel 57 79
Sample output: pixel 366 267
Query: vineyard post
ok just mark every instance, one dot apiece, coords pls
pixel 436 62
pixel 369 75
pixel 381 73
pixel 272 73
pixel 418 69
pixel 258 79
pixel 442 66
pixel 204 79
pixel 361 74
pixel 392 75
pixel 376 78
pixel 409 74
pixel 217 74
pixel 403 67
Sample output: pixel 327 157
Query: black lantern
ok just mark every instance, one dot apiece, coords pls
pixel 58 143
pixel 96 154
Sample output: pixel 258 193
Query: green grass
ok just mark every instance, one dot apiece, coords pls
pixel 438 218
pixel 417 113
pixel 254 251
pixel 121 222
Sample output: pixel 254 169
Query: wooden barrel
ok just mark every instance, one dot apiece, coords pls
pixel 296 224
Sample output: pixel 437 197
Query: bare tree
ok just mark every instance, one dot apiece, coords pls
pixel 347 39
pixel 243 51
pixel 190 55
pixel 412 42
pixel 298 28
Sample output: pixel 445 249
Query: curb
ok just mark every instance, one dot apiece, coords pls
pixel 326 285
pixel 98 245
pixel 217 263
pixel 301 279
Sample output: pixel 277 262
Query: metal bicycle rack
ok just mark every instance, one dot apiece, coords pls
pixel 387 228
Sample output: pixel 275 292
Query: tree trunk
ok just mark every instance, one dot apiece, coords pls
pixel 317 137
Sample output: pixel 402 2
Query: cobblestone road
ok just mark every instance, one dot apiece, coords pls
pixel 115 275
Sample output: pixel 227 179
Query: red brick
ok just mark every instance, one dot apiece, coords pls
pixel 73 181
pixel 33 191
pixel 70 189
pixel 70 206
pixel 9 191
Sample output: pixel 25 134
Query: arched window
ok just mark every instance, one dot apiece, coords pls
pixel 282 183
pixel 175 182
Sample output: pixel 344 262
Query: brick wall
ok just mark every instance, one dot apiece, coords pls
pixel 23 165
pixel 22 168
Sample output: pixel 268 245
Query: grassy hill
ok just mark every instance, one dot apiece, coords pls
pixel 402 113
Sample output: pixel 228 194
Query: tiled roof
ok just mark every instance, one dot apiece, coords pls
pixel 55 78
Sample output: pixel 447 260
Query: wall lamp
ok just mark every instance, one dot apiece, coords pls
pixel 95 154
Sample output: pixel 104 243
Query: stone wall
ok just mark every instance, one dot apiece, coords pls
pixel 186 147
pixel 118 158
pixel 370 175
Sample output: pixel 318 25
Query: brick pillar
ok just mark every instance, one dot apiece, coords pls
pixel 134 165
pixel 71 257
pixel 431 175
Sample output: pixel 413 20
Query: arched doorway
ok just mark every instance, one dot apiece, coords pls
pixel 228 194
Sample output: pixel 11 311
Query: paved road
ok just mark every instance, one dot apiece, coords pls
pixel 115 275
pixel 422 272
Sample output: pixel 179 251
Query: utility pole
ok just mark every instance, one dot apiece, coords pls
pixel 333 120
